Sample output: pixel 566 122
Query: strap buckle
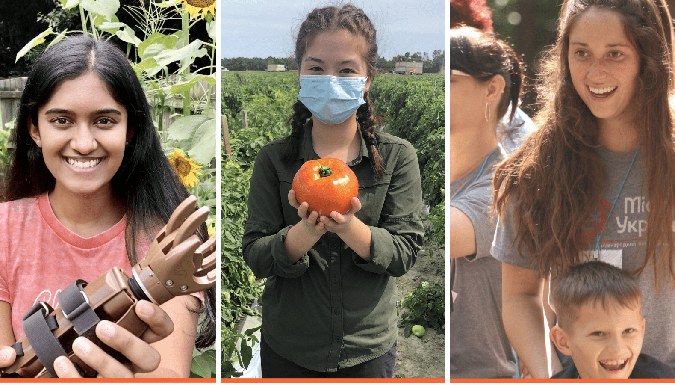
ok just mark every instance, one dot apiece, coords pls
pixel 38 306
pixel 76 308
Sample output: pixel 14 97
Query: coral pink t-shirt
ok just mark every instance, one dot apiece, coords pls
pixel 39 256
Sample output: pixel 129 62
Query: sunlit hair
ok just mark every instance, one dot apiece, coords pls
pixel 592 283
pixel 329 19
pixel 554 182
pixel 145 181
pixel 483 56
pixel 472 13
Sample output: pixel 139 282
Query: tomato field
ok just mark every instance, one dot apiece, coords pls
pixel 412 107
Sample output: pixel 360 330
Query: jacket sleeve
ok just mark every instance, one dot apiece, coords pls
pixel 265 230
pixel 399 236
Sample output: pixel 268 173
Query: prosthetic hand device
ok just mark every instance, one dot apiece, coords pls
pixel 177 263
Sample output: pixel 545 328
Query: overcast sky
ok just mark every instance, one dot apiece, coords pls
pixel 262 28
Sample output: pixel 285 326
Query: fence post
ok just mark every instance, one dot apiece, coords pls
pixel 226 137
pixel 244 120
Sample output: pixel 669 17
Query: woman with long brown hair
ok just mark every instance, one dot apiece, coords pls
pixel 581 187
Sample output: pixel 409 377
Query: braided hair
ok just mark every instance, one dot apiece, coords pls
pixel 355 21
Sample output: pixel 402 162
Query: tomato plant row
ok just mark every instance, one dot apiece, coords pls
pixel 413 108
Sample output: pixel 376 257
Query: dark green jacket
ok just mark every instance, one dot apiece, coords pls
pixel 332 309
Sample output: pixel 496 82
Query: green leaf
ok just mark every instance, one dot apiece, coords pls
pixel 179 88
pixel 128 35
pixel 185 127
pixel 246 354
pixel 196 133
pixel 168 3
pixel 203 147
pixel 152 50
pixel 37 40
pixel 157 38
pixel 204 365
pixel 191 51
pixel 68 4
pixel 110 27
pixel 58 38
pixel 227 370
pixel 146 64
pixel 211 29
pixel 99 19
pixel 107 8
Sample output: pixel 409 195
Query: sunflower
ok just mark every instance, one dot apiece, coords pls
pixel 195 6
pixel 185 167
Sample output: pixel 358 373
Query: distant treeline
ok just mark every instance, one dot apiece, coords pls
pixel 431 64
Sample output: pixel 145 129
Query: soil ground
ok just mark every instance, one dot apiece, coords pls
pixel 422 357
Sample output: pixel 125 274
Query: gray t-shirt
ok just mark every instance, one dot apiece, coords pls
pixel 518 130
pixel 479 347
pixel 623 239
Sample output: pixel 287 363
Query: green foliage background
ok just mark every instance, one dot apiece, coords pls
pixel 414 110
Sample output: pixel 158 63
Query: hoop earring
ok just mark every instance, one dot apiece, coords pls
pixel 487 113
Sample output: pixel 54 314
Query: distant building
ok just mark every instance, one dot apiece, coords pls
pixel 276 68
pixel 408 68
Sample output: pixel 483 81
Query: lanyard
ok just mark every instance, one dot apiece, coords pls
pixel 478 175
pixel 596 255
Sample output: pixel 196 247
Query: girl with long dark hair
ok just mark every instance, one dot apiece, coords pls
pixel 88 188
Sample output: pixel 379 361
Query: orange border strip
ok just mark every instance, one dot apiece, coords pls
pixel 332 380
pixel 108 380
pixel 559 380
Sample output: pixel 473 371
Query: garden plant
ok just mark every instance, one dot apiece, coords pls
pixel 413 109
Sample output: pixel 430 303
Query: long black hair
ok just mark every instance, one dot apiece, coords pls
pixel 145 181
pixel 355 21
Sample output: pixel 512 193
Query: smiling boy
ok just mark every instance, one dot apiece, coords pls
pixel 600 324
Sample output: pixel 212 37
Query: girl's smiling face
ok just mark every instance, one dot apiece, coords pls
pixel 82 131
pixel 604 65
pixel 336 53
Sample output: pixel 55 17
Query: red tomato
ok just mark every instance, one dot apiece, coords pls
pixel 327 185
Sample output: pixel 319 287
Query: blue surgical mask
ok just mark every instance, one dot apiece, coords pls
pixel 331 99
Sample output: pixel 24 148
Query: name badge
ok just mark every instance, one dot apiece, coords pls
pixel 612 256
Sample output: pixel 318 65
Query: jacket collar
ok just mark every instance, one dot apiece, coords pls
pixel 307 149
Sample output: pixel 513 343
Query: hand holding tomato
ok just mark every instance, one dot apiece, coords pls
pixel 309 219
pixel 337 222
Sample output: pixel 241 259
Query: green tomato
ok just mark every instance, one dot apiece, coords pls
pixel 418 330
